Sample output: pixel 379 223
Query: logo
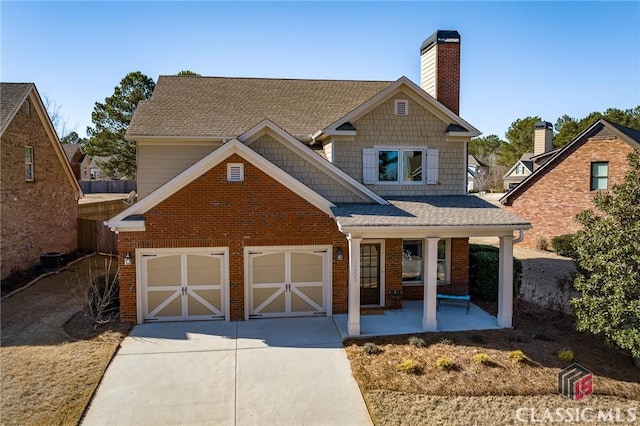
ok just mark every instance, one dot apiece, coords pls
pixel 575 382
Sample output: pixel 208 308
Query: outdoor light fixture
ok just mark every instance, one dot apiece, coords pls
pixel 339 253
pixel 127 259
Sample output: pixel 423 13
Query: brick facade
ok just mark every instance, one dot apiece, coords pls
pixel 448 75
pixel 39 216
pixel 552 201
pixel 211 212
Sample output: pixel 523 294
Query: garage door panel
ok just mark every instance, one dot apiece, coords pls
pixel 205 302
pixel 309 299
pixel 269 268
pixel 162 304
pixel 183 285
pixel 164 271
pixel 288 282
pixel 203 270
pixel 268 300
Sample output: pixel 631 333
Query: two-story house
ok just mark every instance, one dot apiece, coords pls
pixel 278 197
pixel 39 192
pixel 565 180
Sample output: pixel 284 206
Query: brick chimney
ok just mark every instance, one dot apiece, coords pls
pixel 543 137
pixel 440 68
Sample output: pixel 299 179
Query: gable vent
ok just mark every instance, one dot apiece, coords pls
pixel 235 172
pixel 401 107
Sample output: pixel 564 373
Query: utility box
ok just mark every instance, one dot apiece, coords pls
pixel 51 261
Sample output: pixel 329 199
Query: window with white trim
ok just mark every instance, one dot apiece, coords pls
pixel 413 262
pixel 401 107
pixel 29 174
pixel 400 165
pixel 235 172
pixel 599 176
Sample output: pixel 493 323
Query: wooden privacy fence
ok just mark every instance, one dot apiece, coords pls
pixel 93 235
pixel 108 186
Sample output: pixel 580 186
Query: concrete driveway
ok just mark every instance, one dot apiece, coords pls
pixel 290 371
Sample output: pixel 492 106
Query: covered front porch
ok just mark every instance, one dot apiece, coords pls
pixel 408 320
pixel 428 219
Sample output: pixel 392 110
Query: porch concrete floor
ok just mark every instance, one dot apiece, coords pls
pixel 408 320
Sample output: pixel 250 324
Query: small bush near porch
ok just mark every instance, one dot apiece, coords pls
pixel 484 262
pixel 491 391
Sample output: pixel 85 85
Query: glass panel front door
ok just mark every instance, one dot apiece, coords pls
pixel 370 274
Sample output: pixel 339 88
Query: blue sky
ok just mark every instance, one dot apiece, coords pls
pixel 519 59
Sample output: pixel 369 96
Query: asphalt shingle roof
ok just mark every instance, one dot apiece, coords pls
pixel 455 210
pixel 191 106
pixel 11 97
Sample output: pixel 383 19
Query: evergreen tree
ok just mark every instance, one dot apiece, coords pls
pixel 111 120
pixel 608 248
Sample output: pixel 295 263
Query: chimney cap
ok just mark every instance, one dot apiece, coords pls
pixel 543 125
pixel 440 37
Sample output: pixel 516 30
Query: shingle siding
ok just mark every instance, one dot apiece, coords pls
pixel 302 170
pixel 381 127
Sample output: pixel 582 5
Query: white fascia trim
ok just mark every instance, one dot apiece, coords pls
pixel 466 135
pixel 212 160
pixel 180 141
pixel 269 127
pixel 413 232
pixel 126 225
pixel 341 132
pixel 416 94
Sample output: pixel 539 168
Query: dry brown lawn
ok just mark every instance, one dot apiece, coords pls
pixel 490 393
pixel 47 377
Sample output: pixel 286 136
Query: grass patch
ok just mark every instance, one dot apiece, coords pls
pixel 52 354
pixel 499 386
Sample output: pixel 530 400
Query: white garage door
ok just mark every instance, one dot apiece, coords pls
pixel 288 281
pixel 183 284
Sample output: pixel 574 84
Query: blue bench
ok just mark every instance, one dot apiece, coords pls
pixel 454 299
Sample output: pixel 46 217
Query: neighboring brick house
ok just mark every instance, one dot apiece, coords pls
pixel 79 161
pixel 39 193
pixel 274 197
pixel 552 196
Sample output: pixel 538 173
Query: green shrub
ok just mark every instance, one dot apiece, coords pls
pixel 417 342
pixel 444 363
pixel 516 356
pixel 484 261
pixel 565 355
pixel 371 348
pixel 446 341
pixel 564 245
pixel 408 366
pixel 481 358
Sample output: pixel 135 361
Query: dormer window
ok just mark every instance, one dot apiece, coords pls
pixel 401 107
pixel 235 172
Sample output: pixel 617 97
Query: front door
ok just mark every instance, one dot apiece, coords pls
pixel 370 274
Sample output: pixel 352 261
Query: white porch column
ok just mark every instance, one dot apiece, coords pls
pixel 505 283
pixel 353 322
pixel 429 303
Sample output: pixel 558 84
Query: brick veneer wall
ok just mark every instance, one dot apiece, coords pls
pixel 448 75
pixel 211 212
pixel 552 202
pixel 459 273
pixel 40 216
